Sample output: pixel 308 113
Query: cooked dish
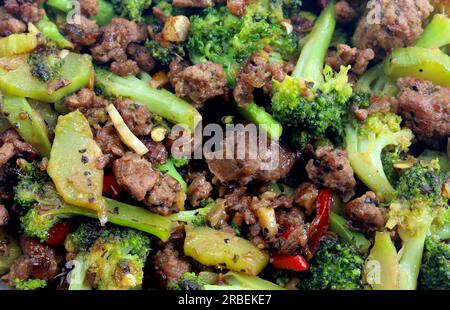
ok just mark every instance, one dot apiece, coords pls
pixel 218 145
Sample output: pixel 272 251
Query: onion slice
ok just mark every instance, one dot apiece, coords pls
pixel 125 133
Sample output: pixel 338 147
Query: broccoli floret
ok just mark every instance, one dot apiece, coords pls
pixel 158 101
pixel 131 9
pixel 196 217
pixel 389 159
pixel 45 64
pixel 180 162
pixel 42 207
pixel 29 284
pixel 115 257
pixel 164 54
pixel 364 144
pixel 419 206
pixel 189 281
pixel 292 7
pixel 435 268
pixel 314 100
pixel 336 266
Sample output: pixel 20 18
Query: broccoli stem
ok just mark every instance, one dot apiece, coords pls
pixel 339 225
pixel 436 34
pixel 31 128
pixel 105 10
pixel 311 61
pixel 122 214
pixel 50 31
pixel 259 116
pixel 158 101
pixel 170 169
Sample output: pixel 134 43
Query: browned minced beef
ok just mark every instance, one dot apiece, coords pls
pixel 125 67
pixel 192 3
pixel 115 38
pixel 4 216
pixel 199 190
pixel 258 72
pixel 26 10
pixel 38 261
pixel 137 117
pixel 237 7
pixel 198 83
pixel 348 10
pixel 238 204
pixel 12 145
pixel 91 105
pixel 159 15
pixel 364 213
pixel 301 24
pixel 331 169
pixel 9 24
pixel 109 142
pixel 305 196
pixel 293 232
pixel 89 7
pixel 170 265
pixel 84 32
pixel 141 55
pixel 426 109
pixel 400 24
pixel 135 175
pixel 250 162
pixel 377 104
pixel 157 153
pixel 166 196
pixel 346 55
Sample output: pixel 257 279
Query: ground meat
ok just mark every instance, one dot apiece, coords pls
pixel 157 153
pixel 237 7
pixel 91 105
pixel 125 67
pixel 84 32
pixel 159 15
pixel 198 83
pixel 166 196
pixel 331 169
pixel 348 10
pixel 11 145
pixel 346 55
pixel 137 117
pixel 258 72
pixel 364 213
pixel 426 109
pixel 170 265
pixel 199 190
pixel 38 261
pixel 109 142
pixel 135 175
pixel 400 24
pixel 377 104
pixel 4 216
pixel 301 24
pixel 9 24
pixel 305 196
pixel 115 38
pixel 89 7
pixel 26 10
pixel 141 56
pixel 192 3
pixel 238 204
pixel 248 161
pixel 293 233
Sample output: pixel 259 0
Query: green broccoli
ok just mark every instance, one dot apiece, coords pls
pixel 364 144
pixel 106 10
pixel 435 269
pixel 113 256
pixel 45 63
pixel 314 100
pixel 389 159
pixel 131 9
pixel 158 101
pixel 419 206
pixel 29 284
pixel 336 266
pixel 164 54
pixel 42 208
pixel 196 217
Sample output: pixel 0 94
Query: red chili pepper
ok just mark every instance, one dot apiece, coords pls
pixel 295 263
pixel 110 186
pixel 285 234
pixel 319 225
pixel 58 233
